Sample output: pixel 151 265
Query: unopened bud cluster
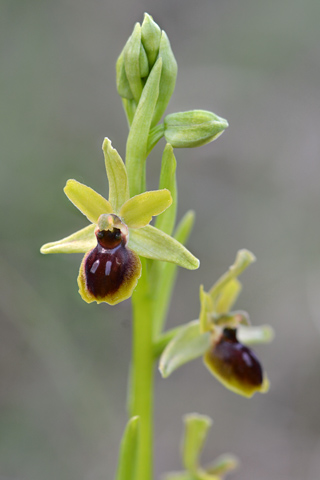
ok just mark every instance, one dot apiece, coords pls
pixel 145 46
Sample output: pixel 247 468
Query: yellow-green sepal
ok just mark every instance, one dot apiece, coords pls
pixel 79 242
pixel 128 450
pixel 166 220
pixel 117 176
pixel 244 258
pixel 152 243
pixel 228 296
pixel 138 211
pixel 187 345
pixel 87 200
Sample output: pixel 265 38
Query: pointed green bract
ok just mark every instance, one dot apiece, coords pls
pixel 166 220
pixel 187 345
pixel 79 242
pixel 137 143
pixel 151 243
pixel 117 176
pixel 128 450
pixel 138 211
pixel 89 202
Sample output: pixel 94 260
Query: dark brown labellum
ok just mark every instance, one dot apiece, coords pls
pixel 110 265
pixel 234 360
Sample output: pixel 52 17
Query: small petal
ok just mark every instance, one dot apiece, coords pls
pixel 138 211
pixel 89 202
pixel 117 176
pixel 110 272
pixel 151 243
pixel 235 365
pixel 79 242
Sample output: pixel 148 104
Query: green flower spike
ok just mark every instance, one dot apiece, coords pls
pixel 221 336
pixel 119 233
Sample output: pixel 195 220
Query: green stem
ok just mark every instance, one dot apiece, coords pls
pixel 142 374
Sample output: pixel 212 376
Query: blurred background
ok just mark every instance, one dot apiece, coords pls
pixel 63 363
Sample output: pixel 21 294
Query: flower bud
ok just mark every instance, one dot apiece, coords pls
pixel 193 128
pixel 150 38
pixel 235 365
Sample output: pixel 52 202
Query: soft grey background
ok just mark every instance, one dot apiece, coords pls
pixel 64 364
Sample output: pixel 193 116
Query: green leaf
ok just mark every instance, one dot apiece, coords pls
pixel 138 211
pixel 117 176
pixel 243 259
pixel 128 451
pixel 79 242
pixel 196 430
pixel 187 345
pixel 151 243
pixel 228 296
pixel 251 335
pixel 132 62
pixel 137 142
pixel 89 202
pixel 166 220
pixel 164 275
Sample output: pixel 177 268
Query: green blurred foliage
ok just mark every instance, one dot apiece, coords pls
pixel 64 364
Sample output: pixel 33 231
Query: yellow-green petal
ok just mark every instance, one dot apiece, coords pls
pixel 152 243
pixel 117 176
pixel 89 202
pixel 79 242
pixel 138 211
